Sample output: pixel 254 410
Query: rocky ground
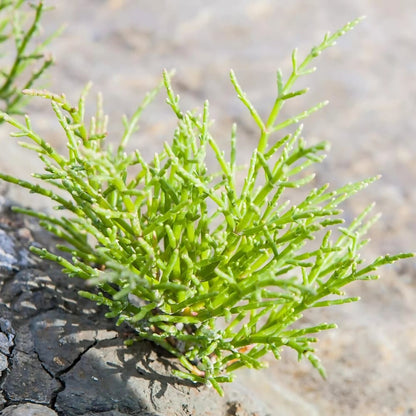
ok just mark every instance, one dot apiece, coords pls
pixel 122 45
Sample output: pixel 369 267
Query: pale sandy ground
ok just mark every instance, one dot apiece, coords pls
pixel 122 46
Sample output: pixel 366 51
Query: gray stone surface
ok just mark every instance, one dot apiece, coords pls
pixel 7 335
pixel 136 380
pixel 122 45
pixel 10 259
pixel 60 338
pixel 3 362
pixel 30 291
pixel 8 256
pixel 28 409
pixel 28 381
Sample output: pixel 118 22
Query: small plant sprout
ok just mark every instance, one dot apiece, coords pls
pixel 218 288
pixel 19 27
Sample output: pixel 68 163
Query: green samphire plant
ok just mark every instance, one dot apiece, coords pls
pixel 216 273
pixel 19 28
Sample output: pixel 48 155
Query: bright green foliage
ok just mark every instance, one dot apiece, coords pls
pixel 18 28
pixel 215 273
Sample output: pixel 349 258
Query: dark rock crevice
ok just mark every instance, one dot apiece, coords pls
pixel 59 374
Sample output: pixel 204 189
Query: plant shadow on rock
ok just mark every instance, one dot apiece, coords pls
pixel 69 355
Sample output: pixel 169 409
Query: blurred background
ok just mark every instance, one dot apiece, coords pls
pixel 369 79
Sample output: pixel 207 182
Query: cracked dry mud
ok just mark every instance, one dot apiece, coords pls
pixel 59 355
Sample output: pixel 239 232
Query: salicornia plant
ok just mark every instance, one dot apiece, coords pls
pixel 18 30
pixel 217 274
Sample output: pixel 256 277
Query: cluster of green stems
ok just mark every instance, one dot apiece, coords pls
pixel 217 274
